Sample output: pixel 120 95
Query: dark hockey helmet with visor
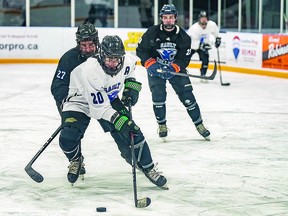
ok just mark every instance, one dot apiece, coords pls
pixel 202 14
pixel 87 32
pixel 112 49
pixel 168 9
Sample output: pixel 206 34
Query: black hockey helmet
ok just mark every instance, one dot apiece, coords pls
pixel 202 14
pixel 112 47
pixel 168 9
pixel 87 32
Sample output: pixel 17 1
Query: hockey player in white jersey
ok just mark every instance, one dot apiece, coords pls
pixel 203 33
pixel 93 92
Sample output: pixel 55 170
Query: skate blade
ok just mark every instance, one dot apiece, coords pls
pixel 164 139
pixel 207 138
pixel 82 177
pixel 164 187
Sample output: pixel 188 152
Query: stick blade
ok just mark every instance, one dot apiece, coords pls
pixel 142 203
pixel 36 176
pixel 225 84
pixel 214 71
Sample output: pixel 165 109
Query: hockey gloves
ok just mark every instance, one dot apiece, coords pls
pixel 131 92
pixel 165 71
pixel 152 66
pixel 174 68
pixel 217 42
pixel 124 125
pixel 204 47
pixel 156 69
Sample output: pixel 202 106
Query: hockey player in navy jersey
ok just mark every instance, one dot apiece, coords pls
pixel 87 45
pixel 200 33
pixel 167 46
pixel 93 93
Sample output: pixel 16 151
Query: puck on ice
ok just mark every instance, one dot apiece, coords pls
pixel 101 209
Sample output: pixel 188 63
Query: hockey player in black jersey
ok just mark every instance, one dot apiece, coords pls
pixel 166 47
pixel 87 45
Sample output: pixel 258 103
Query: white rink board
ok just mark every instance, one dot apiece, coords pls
pixel 50 43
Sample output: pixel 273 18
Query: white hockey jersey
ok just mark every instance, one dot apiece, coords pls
pixel 199 35
pixel 91 90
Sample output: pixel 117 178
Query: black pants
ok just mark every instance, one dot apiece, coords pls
pixel 76 123
pixel 204 58
pixel 183 88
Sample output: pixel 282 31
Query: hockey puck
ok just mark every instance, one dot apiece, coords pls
pixel 101 209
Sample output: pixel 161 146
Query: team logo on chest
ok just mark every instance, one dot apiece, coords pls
pixel 113 87
pixel 167 53
pixel 112 91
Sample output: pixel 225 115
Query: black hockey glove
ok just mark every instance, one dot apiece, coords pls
pixel 204 47
pixel 131 92
pixel 217 42
pixel 123 124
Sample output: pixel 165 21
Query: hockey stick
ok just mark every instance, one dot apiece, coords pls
pixel 144 202
pixel 211 77
pixel 223 84
pixel 36 176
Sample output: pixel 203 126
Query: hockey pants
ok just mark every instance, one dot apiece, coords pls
pixel 183 88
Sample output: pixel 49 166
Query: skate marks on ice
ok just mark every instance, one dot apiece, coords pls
pixel 243 174
pixel 55 196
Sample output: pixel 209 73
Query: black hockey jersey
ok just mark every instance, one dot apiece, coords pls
pixel 60 83
pixel 165 47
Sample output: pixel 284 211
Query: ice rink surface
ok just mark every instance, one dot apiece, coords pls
pixel 242 171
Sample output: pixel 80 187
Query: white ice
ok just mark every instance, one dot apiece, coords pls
pixel 243 170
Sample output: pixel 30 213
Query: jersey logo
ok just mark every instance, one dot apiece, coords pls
pixel 113 87
pixel 112 91
pixel 113 95
pixel 203 38
pixel 167 55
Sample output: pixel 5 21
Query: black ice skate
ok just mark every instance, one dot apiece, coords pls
pixel 155 177
pixel 163 131
pixel 76 168
pixel 203 132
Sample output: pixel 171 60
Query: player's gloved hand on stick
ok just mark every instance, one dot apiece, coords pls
pixel 131 92
pixel 165 74
pixel 204 47
pixel 174 68
pixel 124 125
pixel 152 66
pixel 217 42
